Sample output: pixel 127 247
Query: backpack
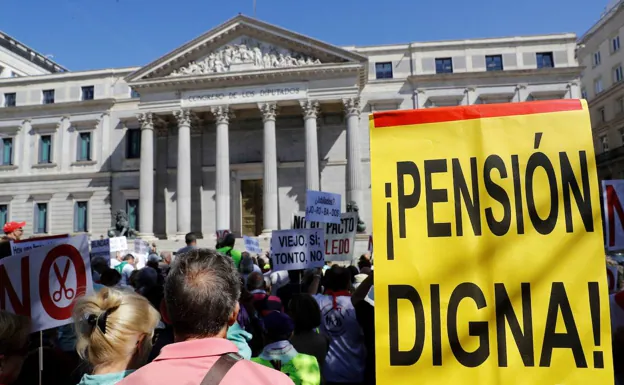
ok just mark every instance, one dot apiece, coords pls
pixel 120 267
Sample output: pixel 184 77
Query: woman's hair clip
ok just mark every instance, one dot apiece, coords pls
pixel 98 320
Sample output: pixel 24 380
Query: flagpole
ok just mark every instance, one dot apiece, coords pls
pixel 254 8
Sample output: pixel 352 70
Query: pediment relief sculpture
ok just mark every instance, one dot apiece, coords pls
pixel 248 52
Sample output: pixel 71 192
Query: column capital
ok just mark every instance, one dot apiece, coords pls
pixel 147 120
pixel 183 116
pixel 311 109
pixel 269 111
pixel 351 106
pixel 222 114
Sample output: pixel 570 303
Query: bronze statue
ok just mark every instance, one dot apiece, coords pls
pixel 352 207
pixel 121 228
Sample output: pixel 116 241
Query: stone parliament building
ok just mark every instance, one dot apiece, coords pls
pixel 229 130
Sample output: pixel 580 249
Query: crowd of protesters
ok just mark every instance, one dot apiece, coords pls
pixel 203 316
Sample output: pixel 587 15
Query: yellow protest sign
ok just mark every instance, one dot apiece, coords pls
pixel 489 258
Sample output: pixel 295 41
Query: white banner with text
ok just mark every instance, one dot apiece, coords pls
pixel 297 249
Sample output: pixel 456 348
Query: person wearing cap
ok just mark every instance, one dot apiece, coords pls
pixel 281 355
pixel 13 231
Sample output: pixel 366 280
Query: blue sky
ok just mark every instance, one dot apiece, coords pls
pixel 90 34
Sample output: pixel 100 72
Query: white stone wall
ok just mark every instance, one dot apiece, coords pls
pixel 607 103
pixel 60 196
pixel 111 179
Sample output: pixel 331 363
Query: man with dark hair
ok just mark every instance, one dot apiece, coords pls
pixel 191 243
pixel 201 296
pixel 126 268
pixel 262 300
pixel 226 246
pixel 280 354
pixel 345 361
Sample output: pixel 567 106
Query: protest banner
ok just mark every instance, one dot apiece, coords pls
pixel 24 245
pixel 252 244
pixel 613 193
pixel 44 282
pixel 489 263
pixel 339 238
pixel 141 251
pixel 118 244
pixel 297 249
pixel 322 207
pixel 100 248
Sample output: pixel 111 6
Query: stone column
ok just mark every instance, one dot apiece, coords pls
pixel 310 113
pixel 183 182
pixel 103 151
pixel 146 182
pixel 354 167
pixel 270 198
pixel 23 158
pixel 222 115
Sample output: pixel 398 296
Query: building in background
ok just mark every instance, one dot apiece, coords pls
pixel 601 54
pixel 229 130
pixel 17 59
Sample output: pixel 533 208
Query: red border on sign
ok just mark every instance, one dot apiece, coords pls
pixel 478 111
pixel 67 250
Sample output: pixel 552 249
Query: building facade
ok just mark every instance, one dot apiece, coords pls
pixel 600 54
pixel 229 130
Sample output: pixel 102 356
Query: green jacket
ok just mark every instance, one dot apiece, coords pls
pixel 235 254
pixel 302 369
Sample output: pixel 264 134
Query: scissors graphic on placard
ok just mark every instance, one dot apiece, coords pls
pixel 69 292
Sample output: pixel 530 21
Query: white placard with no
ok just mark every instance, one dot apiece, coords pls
pixel 43 283
pixel 322 207
pixel 339 238
pixel 252 244
pixel 297 249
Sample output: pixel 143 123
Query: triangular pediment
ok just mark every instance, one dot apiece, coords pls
pixel 242 45
pixel 243 54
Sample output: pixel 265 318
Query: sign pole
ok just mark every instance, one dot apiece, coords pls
pixel 40 357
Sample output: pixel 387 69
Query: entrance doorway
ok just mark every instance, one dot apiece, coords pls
pixel 251 206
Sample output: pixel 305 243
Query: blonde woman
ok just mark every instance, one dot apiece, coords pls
pixel 115 330
pixel 14 331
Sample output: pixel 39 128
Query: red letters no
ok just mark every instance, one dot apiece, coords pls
pixel 6 289
pixel 613 203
